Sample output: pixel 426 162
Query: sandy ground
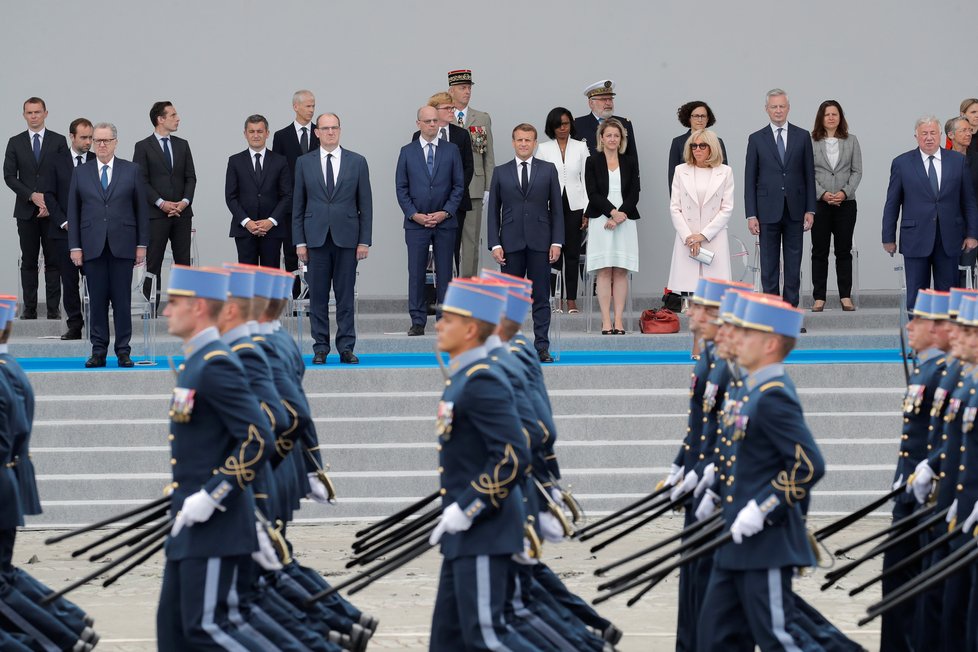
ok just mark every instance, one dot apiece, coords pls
pixel 125 612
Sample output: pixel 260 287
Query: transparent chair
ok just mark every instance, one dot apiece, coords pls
pixel 555 317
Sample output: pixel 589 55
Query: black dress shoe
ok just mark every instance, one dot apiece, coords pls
pixel 54 315
pixel 124 360
pixel 72 334
pixel 804 330
pixel 319 357
pixel 95 361
pixel 611 634
pixel 29 314
pixel 416 329
pixel 545 356
pixel 349 357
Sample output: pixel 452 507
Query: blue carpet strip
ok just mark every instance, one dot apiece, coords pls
pixel 567 358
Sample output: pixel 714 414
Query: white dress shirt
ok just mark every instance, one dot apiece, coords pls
pixel 337 153
pixel 159 139
pixel 108 171
pixel 937 165
pixel 262 153
pixel 519 168
pixel 784 134
pixel 462 111
pixel 298 130
pixel 40 133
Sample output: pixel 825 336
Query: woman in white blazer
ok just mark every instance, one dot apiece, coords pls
pixel 568 155
pixel 701 206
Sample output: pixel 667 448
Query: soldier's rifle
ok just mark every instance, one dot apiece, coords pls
pixel 910 559
pixel 108 521
pixel 668 507
pixel 844 522
pixel 682 534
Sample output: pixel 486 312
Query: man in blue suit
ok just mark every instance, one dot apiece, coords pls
pixel 430 184
pixel 779 195
pixel 332 223
pixel 933 188
pixel 258 192
pixel 526 225
pixel 108 232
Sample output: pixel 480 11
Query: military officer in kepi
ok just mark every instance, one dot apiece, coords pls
pixel 217 442
pixel 769 469
pixel 483 457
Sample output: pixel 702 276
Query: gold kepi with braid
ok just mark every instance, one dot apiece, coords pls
pixel 456 77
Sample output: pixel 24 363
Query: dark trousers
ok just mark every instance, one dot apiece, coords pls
pixel 418 240
pixel 109 281
pixel 918 270
pixel 458 240
pixel 70 279
pixel 786 235
pixel 897 625
pixel 336 267
pixel 693 580
pixel 290 258
pixel 553 585
pixel 833 223
pixel 534 265
pixel 193 611
pixel 47 632
pixel 263 251
pixel 178 232
pixel 570 255
pixel 744 608
pixel 470 604
pixel 33 235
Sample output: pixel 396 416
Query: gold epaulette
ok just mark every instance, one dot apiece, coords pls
pixel 476 368
pixel 243 345
pixel 215 354
pixel 771 385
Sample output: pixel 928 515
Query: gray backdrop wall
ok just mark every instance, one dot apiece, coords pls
pixel 374 63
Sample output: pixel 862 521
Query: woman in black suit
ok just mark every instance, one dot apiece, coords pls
pixel 612 184
pixel 692 115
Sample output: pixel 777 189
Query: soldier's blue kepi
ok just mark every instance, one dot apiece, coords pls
pixel 932 304
pixel 710 291
pixel 266 282
pixel 285 283
pixel 7 309
pixel 202 283
pixel 763 314
pixel 956 295
pixel 728 303
pixel 968 311
pixel 471 300
pixel 241 283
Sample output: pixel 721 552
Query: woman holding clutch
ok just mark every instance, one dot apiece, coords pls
pixel 701 205
pixel 612 183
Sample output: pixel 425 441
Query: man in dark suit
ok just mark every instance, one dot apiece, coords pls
pixel 28 160
pixel 258 192
pixel 601 100
pixel 779 195
pixel 108 231
pixel 168 173
pixel 332 223
pixel 932 188
pixel 56 196
pixel 447 129
pixel 525 225
pixel 292 142
pixel 958 131
pixel 430 185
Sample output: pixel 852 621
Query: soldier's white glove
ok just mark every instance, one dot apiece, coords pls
pixel 317 491
pixel 556 495
pixel 550 528
pixel 749 521
pixel 969 523
pixel 899 481
pixel 709 477
pixel 708 505
pixel 265 555
pixel 197 508
pixel 523 557
pixel 921 485
pixel 453 520
pixel 690 480
pixel 952 512
pixel 675 475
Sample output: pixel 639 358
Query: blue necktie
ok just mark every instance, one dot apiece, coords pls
pixel 461 118
pixel 105 177
pixel 932 175
pixel 431 159
pixel 78 160
pixel 781 145
pixel 37 148
pixel 330 183
pixel 166 154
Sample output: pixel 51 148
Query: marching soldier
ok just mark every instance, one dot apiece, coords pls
pixel 930 367
pixel 483 456
pixel 217 443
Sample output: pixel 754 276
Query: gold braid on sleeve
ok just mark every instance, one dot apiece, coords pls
pixel 494 487
pixel 283 445
pixel 789 483
pixel 240 467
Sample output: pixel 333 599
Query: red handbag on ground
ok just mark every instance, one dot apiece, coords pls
pixel 662 320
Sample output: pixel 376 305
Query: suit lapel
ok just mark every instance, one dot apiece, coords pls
pixel 715 180
pixel 534 173
pixel 155 147
pixel 918 164
pixel 341 177
pixel 772 142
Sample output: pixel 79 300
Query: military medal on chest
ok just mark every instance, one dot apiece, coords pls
pixel 710 396
pixel 182 404
pixel 443 421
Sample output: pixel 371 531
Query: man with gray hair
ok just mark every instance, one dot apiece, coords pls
pixel 958 131
pixel 108 232
pixel 931 188
pixel 779 195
